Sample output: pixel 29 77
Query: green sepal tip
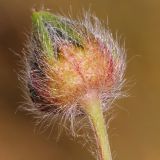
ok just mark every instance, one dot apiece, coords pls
pixel 41 18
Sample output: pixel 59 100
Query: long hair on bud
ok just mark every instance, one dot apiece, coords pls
pixel 65 61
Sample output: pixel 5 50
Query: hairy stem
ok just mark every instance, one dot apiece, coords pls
pixel 93 109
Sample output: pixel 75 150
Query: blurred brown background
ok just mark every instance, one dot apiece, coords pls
pixel 135 132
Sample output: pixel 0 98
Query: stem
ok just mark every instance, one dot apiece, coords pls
pixel 93 108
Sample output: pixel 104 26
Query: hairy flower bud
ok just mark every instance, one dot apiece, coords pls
pixel 68 58
pixel 71 63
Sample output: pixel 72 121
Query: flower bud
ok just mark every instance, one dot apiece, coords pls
pixel 69 59
pixel 73 68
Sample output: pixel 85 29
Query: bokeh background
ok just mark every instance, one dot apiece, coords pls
pixel 135 131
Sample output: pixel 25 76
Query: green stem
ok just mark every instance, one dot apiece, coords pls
pixel 93 108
